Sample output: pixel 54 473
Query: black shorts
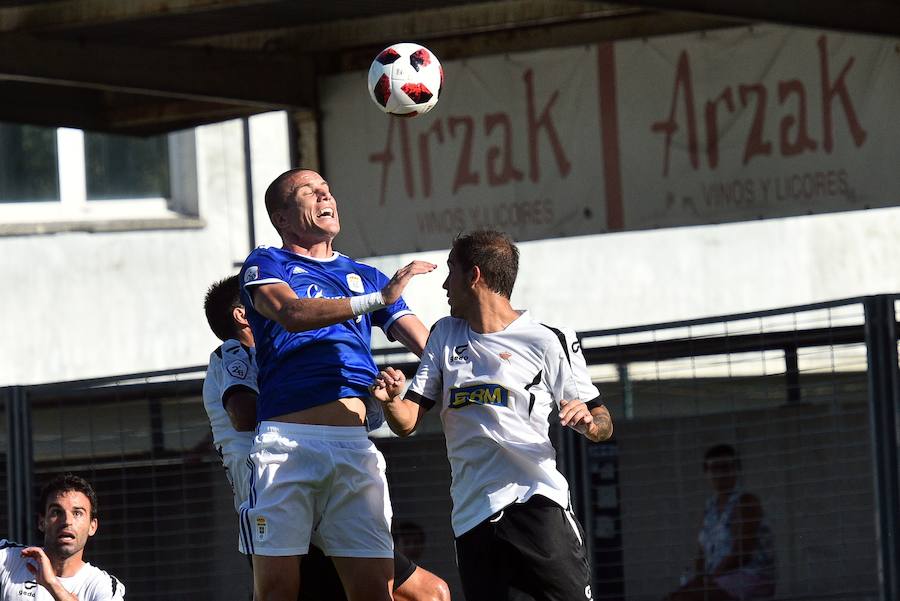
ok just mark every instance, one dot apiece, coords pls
pixel 529 550
pixel 319 579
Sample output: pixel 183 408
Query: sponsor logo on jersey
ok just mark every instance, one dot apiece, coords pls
pixel 297 270
pixel 460 353
pixel 505 355
pixel 493 395
pixel 238 369
pixel 261 528
pixel 355 283
pixel 587 590
pixel 313 291
pixel 251 274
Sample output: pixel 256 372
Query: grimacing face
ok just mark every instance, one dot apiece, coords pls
pixel 311 209
pixel 67 524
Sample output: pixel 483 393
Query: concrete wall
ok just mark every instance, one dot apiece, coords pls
pixel 81 305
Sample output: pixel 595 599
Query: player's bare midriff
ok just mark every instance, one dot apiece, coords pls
pixel 342 412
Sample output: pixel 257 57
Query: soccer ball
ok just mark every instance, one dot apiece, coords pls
pixel 405 80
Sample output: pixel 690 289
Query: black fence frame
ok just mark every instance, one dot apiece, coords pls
pixel 879 333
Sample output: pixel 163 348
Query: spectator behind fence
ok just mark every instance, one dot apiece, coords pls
pixel 67 517
pixel 735 557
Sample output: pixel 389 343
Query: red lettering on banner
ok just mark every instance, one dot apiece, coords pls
pixel 829 90
pixel 535 124
pixel 464 174
pixel 670 126
pixel 794 138
pixel 386 157
pixel 425 154
pixel 802 142
pixel 755 144
pixel 712 126
pixel 499 165
pixel 507 171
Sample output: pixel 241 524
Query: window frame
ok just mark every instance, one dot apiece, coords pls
pixel 75 212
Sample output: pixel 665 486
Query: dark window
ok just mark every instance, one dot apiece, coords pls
pixel 126 167
pixel 28 170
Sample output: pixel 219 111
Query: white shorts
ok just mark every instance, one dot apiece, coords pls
pixel 323 484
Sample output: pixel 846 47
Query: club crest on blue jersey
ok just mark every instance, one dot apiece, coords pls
pixel 355 283
pixel 492 395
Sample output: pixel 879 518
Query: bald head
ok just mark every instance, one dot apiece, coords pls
pixel 301 208
pixel 282 189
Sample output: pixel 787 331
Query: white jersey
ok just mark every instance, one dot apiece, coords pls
pixel 231 365
pixel 18 584
pixel 496 392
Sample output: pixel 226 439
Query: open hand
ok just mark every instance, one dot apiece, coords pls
pixel 392 291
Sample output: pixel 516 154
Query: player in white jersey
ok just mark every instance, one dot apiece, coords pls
pixel 230 388
pixel 57 571
pixel 497 375
pixel 229 397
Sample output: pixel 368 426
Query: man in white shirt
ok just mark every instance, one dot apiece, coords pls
pixel 497 375
pixel 57 571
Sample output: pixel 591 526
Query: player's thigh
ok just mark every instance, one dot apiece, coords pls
pixel 484 562
pixel 289 472
pixel 356 522
pixel 319 580
pixel 366 578
pixel 276 578
pixel 549 544
pixel 421 585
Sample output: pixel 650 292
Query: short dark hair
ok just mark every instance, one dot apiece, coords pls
pixel 494 253
pixel 221 298
pixel 721 451
pixel 64 483
pixel 276 194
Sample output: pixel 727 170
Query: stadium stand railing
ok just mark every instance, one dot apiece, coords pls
pixel 808 396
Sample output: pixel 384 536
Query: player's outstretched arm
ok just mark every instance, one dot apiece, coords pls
pixel 595 424
pixel 411 333
pixel 401 414
pixel 278 302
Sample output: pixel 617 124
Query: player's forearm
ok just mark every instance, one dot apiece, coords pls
pixel 303 314
pixel 58 593
pixel 402 415
pixel 601 427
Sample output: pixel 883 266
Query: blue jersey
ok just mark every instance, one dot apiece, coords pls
pixel 305 369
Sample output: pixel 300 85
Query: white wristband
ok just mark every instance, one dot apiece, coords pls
pixel 366 303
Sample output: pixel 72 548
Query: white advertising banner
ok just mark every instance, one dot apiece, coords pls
pixel 753 123
pixel 680 130
pixel 514 143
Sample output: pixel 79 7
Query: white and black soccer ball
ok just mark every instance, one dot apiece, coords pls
pixel 405 79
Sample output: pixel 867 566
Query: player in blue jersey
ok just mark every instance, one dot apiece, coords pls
pixel 317 476
pixel 229 397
